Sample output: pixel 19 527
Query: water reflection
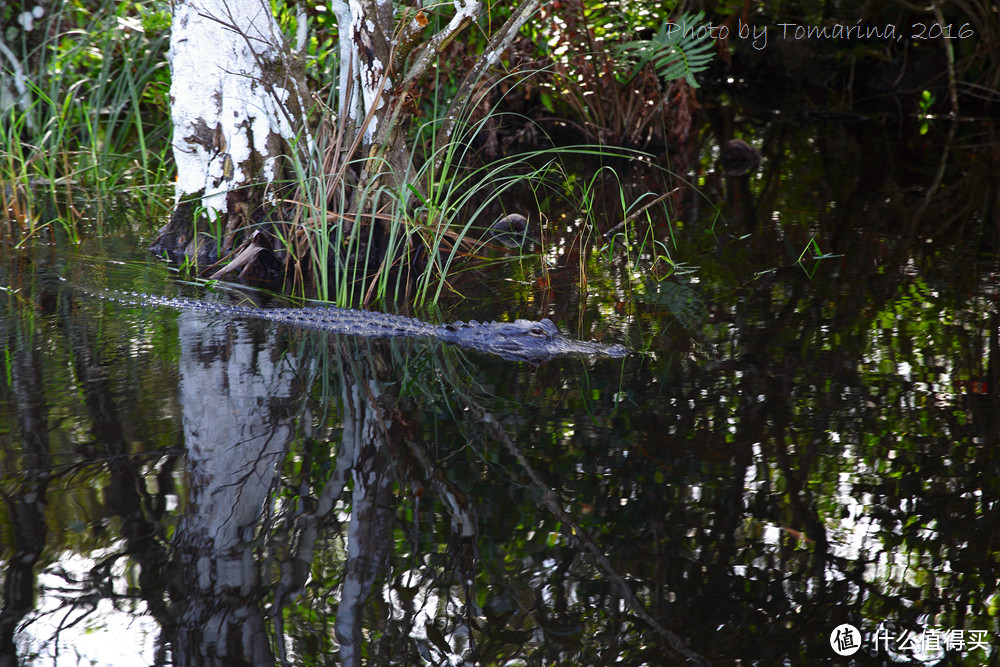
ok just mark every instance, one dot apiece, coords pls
pixel 235 389
pixel 804 444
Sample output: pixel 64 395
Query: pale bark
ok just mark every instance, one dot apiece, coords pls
pixel 238 101
pixel 234 444
pixel 14 88
pixel 369 538
pixel 237 104
pixel 370 42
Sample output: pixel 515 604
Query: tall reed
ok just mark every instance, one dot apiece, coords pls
pixel 92 128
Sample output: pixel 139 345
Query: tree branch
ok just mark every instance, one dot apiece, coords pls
pixel 499 43
pixel 575 531
pixel 465 12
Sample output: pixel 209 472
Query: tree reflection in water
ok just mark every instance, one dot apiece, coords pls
pixel 814 446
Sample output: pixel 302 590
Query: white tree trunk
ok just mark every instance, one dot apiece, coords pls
pixel 237 101
pixel 229 383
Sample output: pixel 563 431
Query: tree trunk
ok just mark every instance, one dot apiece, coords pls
pixel 232 384
pixel 237 102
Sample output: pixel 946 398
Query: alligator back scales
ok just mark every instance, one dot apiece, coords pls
pixel 520 340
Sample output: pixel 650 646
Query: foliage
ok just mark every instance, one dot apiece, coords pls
pixel 91 129
pixel 440 221
pixel 678 51
pixel 833 459
pixel 68 162
pixel 586 84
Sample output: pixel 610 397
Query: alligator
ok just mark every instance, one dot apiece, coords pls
pixel 520 340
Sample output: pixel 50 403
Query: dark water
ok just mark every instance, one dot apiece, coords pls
pixel 806 437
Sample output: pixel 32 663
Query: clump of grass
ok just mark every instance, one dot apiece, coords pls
pixel 440 215
pixel 92 125
pixel 417 232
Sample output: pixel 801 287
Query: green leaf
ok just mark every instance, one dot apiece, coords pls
pixel 676 51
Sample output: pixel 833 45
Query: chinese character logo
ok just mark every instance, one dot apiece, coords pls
pixel 845 639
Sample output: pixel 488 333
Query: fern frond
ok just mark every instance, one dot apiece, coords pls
pixel 675 51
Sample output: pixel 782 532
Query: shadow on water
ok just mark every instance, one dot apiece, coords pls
pixel 808 438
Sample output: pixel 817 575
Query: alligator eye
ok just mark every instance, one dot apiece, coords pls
pixel 538 332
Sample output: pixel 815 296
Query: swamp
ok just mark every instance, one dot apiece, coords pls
pixel 769 234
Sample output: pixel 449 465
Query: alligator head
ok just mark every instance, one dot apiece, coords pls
pixel 523 340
